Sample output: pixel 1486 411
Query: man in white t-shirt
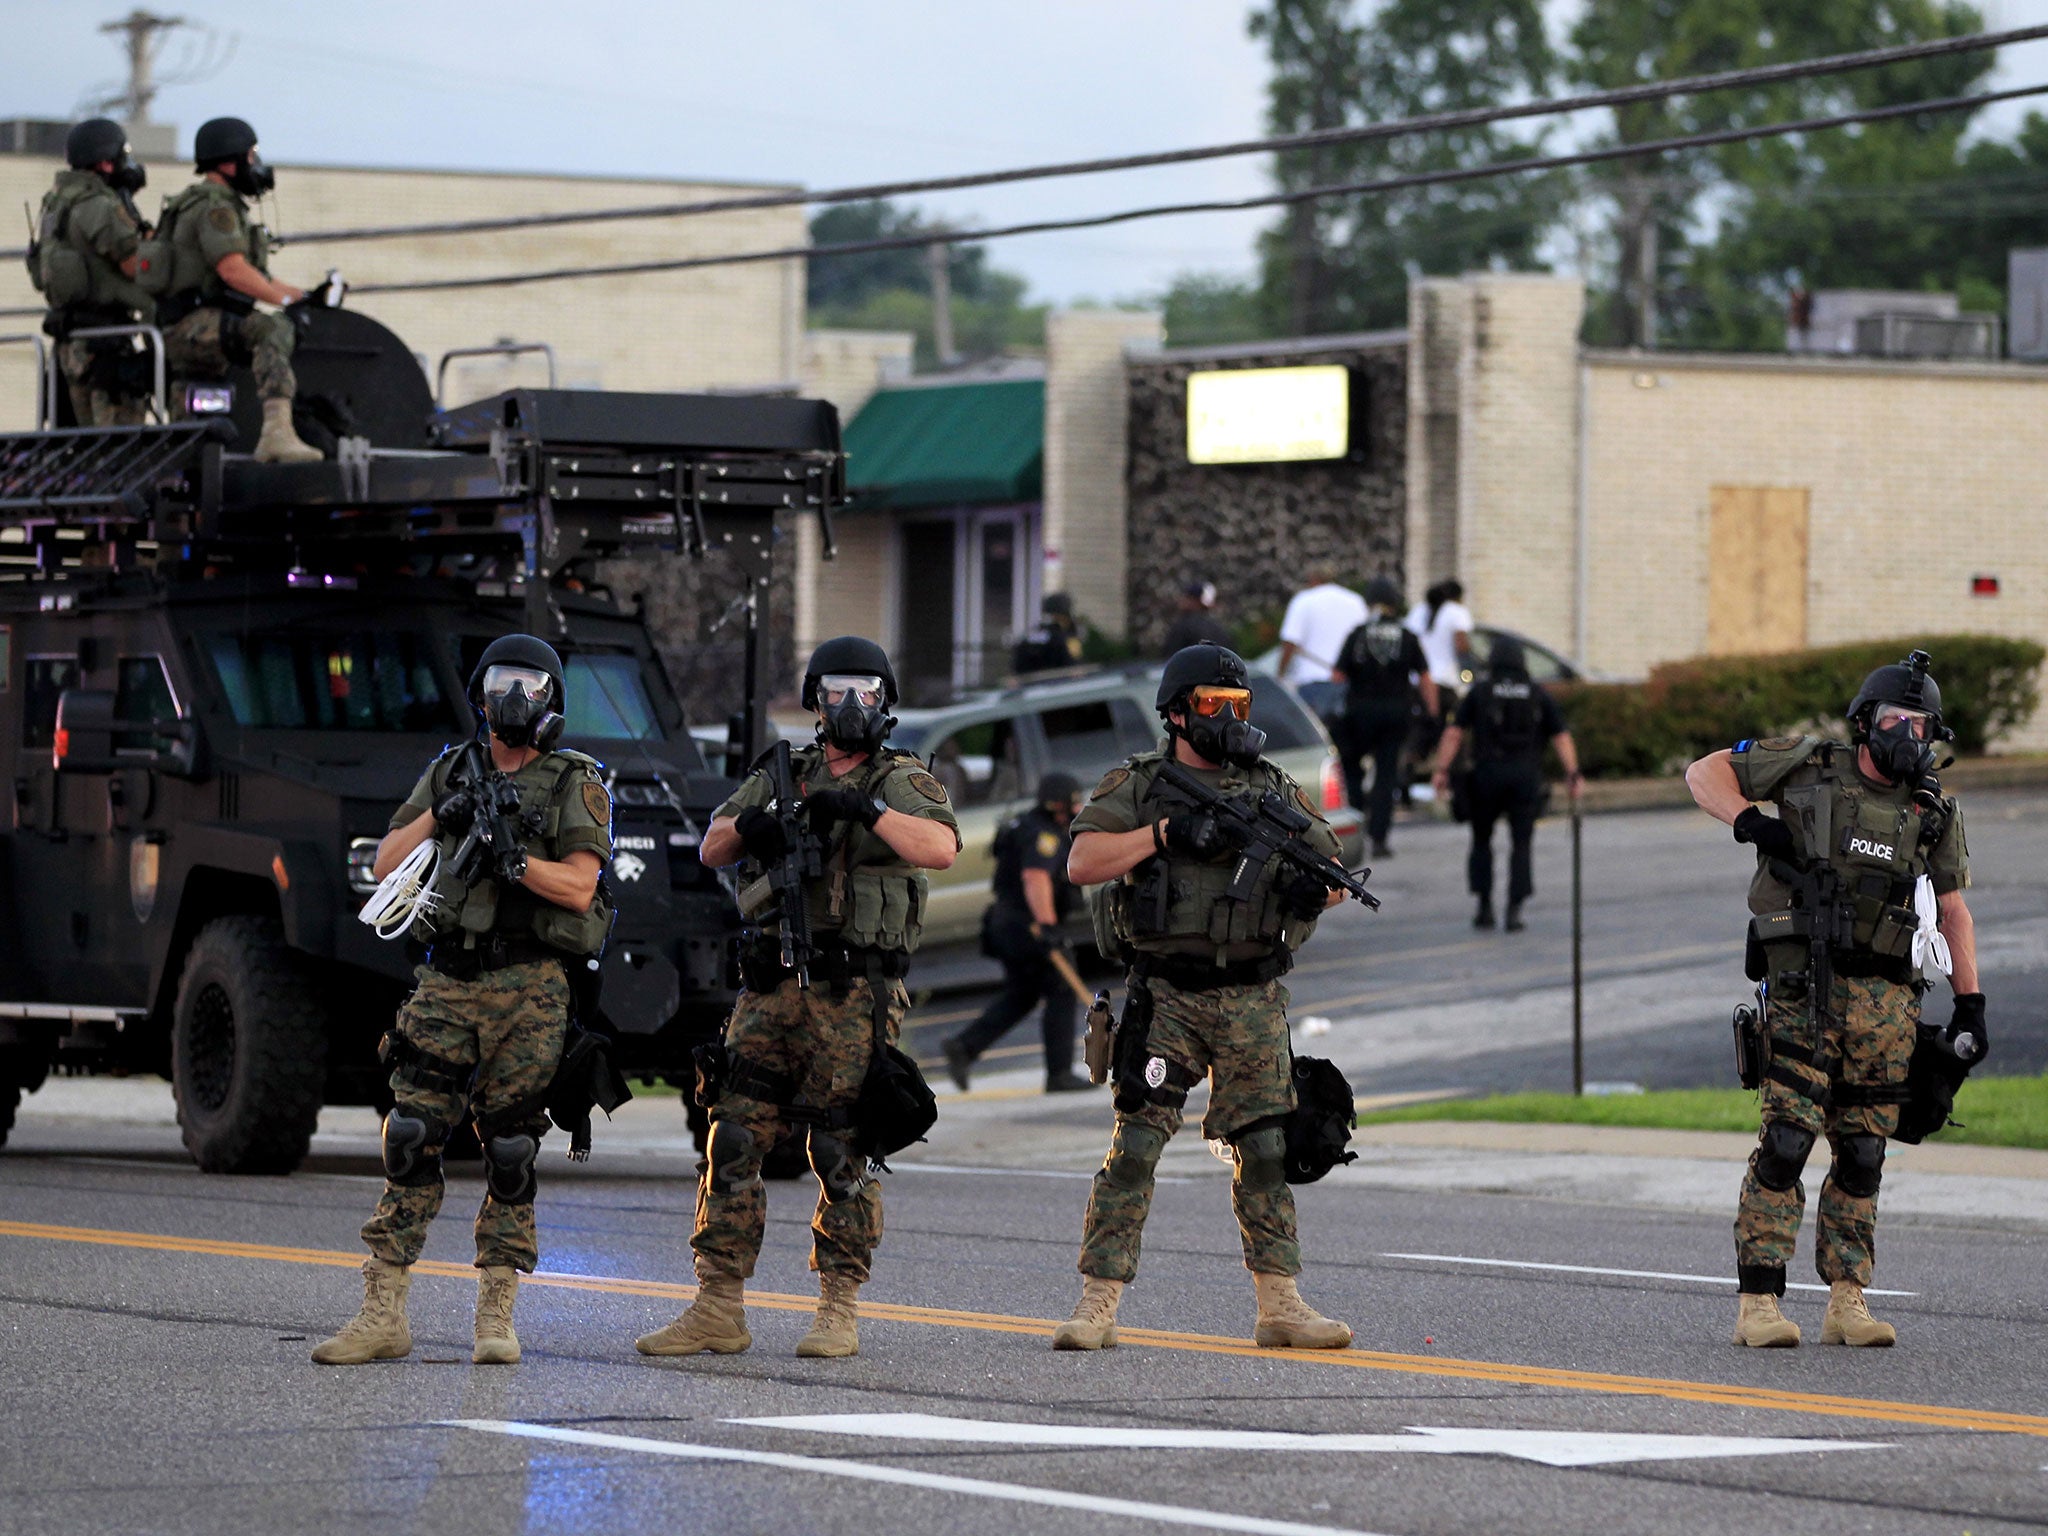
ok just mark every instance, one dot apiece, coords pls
pixel 1443 624
pixel 1319 620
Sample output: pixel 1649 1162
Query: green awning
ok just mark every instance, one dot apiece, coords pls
pixel 943 444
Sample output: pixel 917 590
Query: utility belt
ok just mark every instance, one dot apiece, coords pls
pixel 837 966
pixel 1193 975
pixel 1782 928
pixel 177 306
pixel 493 952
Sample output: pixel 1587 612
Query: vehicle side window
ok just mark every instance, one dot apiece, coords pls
pixel 1137 728
pixel 46 677
pixel 1543 667
pixel 142 694
pixel 1081 739
pixel 978 764
pixel 1276 712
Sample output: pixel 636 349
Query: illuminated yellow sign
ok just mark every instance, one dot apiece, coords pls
pixel 1269 415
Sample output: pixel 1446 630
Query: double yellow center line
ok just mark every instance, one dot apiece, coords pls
pixel 1719 1393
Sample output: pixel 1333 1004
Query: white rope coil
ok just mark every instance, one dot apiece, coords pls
pixel 405 894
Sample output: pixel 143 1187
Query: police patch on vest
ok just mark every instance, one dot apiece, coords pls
pixel 597 802
pixel 1872 849
pixel 1307 804
pixel 1777 743
pixel 1110 781
pixel 1048 844
pixel 1155 1072
pixel 222 218
pixel 929 787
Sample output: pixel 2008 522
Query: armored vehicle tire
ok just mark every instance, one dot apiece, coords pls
pixel 10 1096
pixel 248 1049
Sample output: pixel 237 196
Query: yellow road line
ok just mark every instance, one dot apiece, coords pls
pixel 1722 1394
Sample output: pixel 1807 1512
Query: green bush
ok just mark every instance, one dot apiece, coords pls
pixel 1989 687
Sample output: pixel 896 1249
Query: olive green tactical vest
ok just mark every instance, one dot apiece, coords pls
pixel 477 910
pixel 179 231
pixel 1174 905
pixel 68 271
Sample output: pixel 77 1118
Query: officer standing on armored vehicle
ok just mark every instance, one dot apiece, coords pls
pixel 86 260
pixel 220 269
pixel 805 1031
pixel 486 1022
pixel 1840 924
pixel 1207 969
pixel 1509 720
pixel 1023 928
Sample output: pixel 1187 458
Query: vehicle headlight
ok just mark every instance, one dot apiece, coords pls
pixel 362 859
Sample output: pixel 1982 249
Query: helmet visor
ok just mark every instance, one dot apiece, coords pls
pixel 1918 720
pixel 834 687
pixel 503 677
pixel 1210 700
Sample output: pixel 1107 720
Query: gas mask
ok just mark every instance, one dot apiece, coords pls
pixel 516 707
pixel 253 176
pixel 1219 725
pixel 127 175
pixel 1901 743
pixel 853 716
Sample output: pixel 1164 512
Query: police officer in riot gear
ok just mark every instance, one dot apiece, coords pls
pixel 1022 929
pixel 1205 986
pixel 484 1028
pixel 1509 720
pixel 1865 862
pixel 795 1056
pixel 1376 665
pixel 85 261
pixel 1054 643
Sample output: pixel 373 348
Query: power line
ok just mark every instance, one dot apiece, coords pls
pixel 1231 205
pixel 1656 90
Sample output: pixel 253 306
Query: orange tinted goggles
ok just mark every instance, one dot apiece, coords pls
pixel 1215 701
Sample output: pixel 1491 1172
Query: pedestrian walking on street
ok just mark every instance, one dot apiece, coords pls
pixel 1318 620
pixel 1380 667
pixel 1196 622
pixel 1509 720
pixel 1443 624
pixel 1024 928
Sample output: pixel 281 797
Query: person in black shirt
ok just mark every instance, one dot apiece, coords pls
pixel 1032 899
pixel 1055 643
pixel 1376 666
pixel 1510 720
pixel 1196 622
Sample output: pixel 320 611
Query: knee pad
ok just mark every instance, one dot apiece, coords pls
pixel 1781 1154
pixel 407 1142
pixel 1859 1165
pixel 841 1171
pixel 1261 1159
pixel 733 1157
pixel 1133 1154
pixel 508 1168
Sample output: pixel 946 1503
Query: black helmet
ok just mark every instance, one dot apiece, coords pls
pixel 1904 683
pixel 221 138
pixel 1381 592
pixel 851 654
pixel 94 140
pixel 1507 657
pixel 520 716
pixel 1193 665
pixel 1895 750
pixel 1057 605
pixel 1058 790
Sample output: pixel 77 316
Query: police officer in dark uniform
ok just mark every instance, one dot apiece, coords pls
pixel 1376 664
pixel 1509 719
pixel 1023 929
pixel 1055 643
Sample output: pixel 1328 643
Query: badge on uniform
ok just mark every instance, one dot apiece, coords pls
pixel 1110 781
pixel 1048 844
pixel 597 802
pixel 929 787
pixel 1155 1072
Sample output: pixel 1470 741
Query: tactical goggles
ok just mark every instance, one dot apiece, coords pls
pixel 834 687
pixel 1209 701
pixel 501 679
pixel 1919 720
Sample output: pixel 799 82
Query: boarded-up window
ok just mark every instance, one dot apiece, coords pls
pixel 1756 562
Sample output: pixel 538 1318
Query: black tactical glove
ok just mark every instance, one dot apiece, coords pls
pixel 1200 835
pixel 1768 835
pixel 511 864
pixel 1299 893
pixel 1049 939
pixel 761 834
pixel 455 811
pixel 1967 1036
pixel 827 807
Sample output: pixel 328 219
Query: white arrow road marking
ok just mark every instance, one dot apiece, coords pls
pixel 1551 1448
pixel 1628 1274
pixel 1054 1498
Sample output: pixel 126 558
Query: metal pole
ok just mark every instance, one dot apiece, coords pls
pixel 757 599
pixel 1578 964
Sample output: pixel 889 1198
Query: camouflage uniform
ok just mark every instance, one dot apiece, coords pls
pixel 82 212
pixel 1235 1034
pixel 203 224
pixel 1874 1008
pixel 507 1023
pixel 817 1040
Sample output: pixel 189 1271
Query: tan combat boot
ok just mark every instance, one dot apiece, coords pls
pixel 1760 1325
pixel 1093 1325
pixel 279 443
pixel 836 1329
pixel 1288 1322
pixel 1849 1320
pixel 379 1331
pixel 716 1322
pixel 496 1343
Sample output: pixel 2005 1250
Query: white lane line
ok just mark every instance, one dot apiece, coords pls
pixel 1551 1448
pixel 1627 1274
pixel 1053 1498
pixel 906 1166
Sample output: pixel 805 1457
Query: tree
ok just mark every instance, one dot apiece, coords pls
pixel 1206 309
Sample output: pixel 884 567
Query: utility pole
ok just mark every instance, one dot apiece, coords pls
pixel 144 34
pixel 938 255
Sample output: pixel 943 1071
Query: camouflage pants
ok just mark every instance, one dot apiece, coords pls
pixel 1238 1035
pixel 1869 1043
pixel 509 1025
pixel 92 403
pixel 823 1042
pixel 207 342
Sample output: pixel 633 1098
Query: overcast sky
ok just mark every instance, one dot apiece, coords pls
pixel 820 92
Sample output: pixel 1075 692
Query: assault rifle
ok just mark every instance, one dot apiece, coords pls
pixel 1829 921
pixel 1270 827
pixel 786 876
pixel 498 824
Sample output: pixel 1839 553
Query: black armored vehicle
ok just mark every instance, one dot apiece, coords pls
pixel 218 677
